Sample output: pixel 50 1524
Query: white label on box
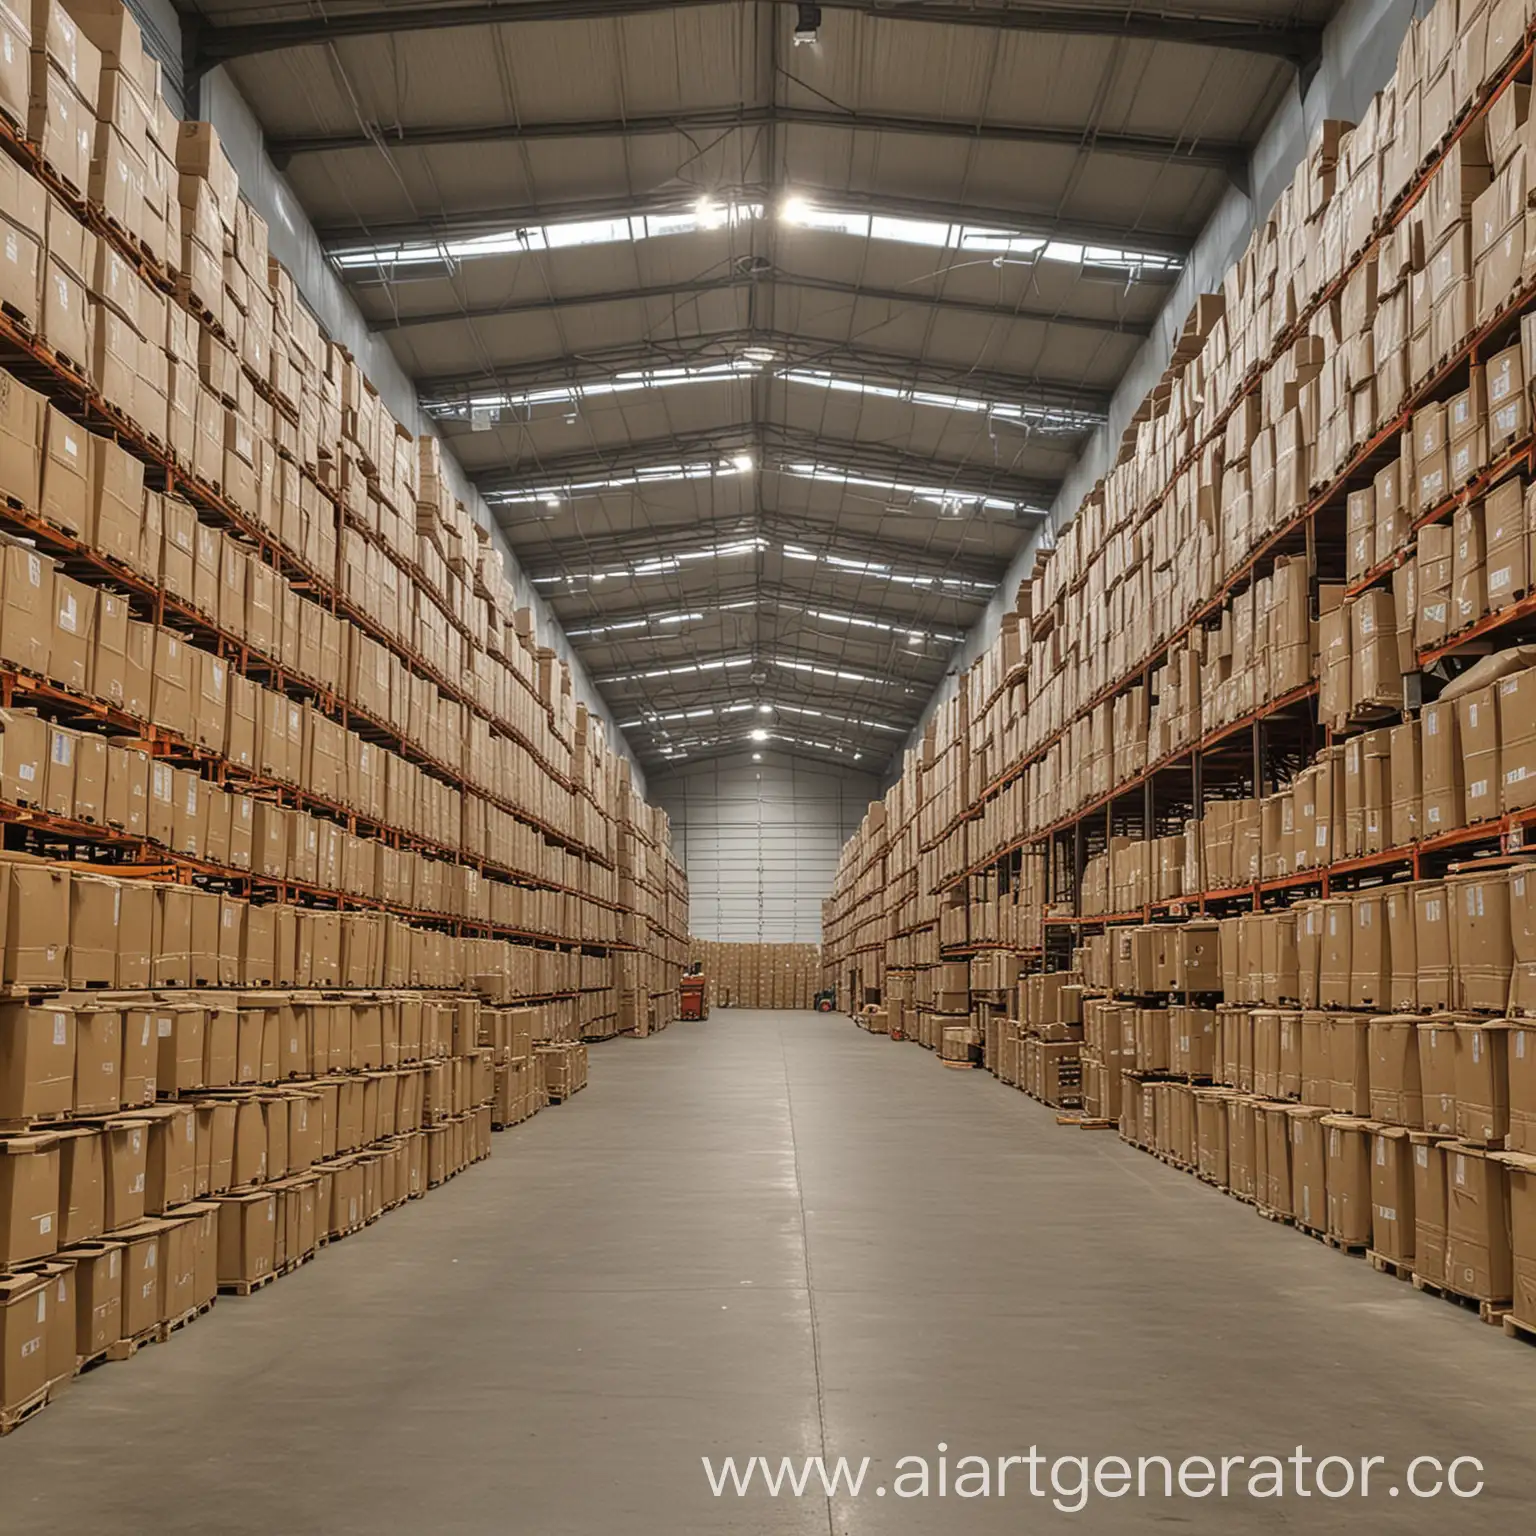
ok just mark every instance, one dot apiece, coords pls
pixel 42 1306
pixel 61 1029
pixel 164 1028
pixel 63 749
pixel 1421 1156
pixel 1461 1171
pixel 26 772
pixel 45 1225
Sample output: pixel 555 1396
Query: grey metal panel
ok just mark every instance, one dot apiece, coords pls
pixel 760 842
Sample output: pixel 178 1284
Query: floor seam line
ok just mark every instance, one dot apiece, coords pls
pixel 810 1289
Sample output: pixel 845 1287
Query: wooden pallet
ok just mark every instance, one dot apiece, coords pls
pixel 1283 1217
pixel 14 1418
pixel 245 1287
pixel 1328 1239
pixel 1383 1265
pixel 176 1324
pixel 126 1349
pixel 1515 1328
pixel 1491 1312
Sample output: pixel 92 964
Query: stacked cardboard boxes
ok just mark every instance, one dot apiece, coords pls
pixel 253 646
pixel 1237 689
pixel 759 975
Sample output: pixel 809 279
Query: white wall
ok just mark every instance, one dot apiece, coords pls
pixel 760 842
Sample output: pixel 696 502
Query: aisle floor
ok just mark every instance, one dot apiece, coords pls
pixel 774 1234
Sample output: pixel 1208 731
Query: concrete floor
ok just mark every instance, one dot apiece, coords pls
pixel 774 1233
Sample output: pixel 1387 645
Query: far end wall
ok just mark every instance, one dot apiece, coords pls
pixel 760 841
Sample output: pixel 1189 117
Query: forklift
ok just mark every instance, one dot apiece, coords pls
pixel 826 1000
pixel 693 1001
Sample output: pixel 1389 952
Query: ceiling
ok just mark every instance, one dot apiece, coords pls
pixel 768 356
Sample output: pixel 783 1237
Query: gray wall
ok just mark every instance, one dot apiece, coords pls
pixel 1359 54
pixel 760 841
pixel 292 240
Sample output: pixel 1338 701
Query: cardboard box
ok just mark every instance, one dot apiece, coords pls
pixel 98 1296
pixel 1479 1258
pixel 1430 1207
pixel 1482 1081
pixel 82 1196
pixel 1481 940
pixel 37 1060
pixel 29 1197
pixel 1392 1186
pixel 23 1336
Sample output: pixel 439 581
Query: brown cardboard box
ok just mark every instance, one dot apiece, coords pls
pixel 1349 1064
pixel 98 1056
pixel 1348 1178
pixel 1481 942
pixel 1479 1259
pixel 29 1197
pixel 1443 797
pixel 171 1172
pixel 94 908
pixel 23 759
pixel 22 413
pixel 1403 949
pixel 1432 941
pixel 1482 1081
pixel 1309 1165
pixel 1392 1209
pixel 98 1296
pixel 1396 1088
pixel 82 1196
pixel 1437 1073
pixel 1430 1208
pixel 143 1303
pixel 23 1335
pixel 26 608
pixel 247 1237
pixel 125 1149
pixel 37 1061
pixel 1521 1173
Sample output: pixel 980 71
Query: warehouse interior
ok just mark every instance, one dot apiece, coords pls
pixel 718 718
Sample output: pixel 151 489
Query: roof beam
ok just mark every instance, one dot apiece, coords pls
pixel 693 288
pixel 1286 39
pixel 1202 154
pixel 1043 223
pixel 796 351
pixel 681 447
pixel 572 556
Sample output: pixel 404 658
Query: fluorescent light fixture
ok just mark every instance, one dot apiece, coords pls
pixel 632 479
pixel 807 24
pixel 618 229
pixel 662 565
pixel 757 757
pixel 721 212
pixel 742 463
pixel 765 709
pixel 759 355
pixel 619 626
pixel 718 664
pixel 947 501
pixel 1042 418
pixel 759 735
pixel 631 381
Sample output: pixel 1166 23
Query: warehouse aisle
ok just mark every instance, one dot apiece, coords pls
pixel 553 1343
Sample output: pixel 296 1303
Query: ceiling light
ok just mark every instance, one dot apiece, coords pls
pixel 759 355
pixel 765 709
pixel 742 463
pixel 807 24
pixel 915 638
pixel 795 210
pixel 757 757
pixel 710 214
pixel 759 735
